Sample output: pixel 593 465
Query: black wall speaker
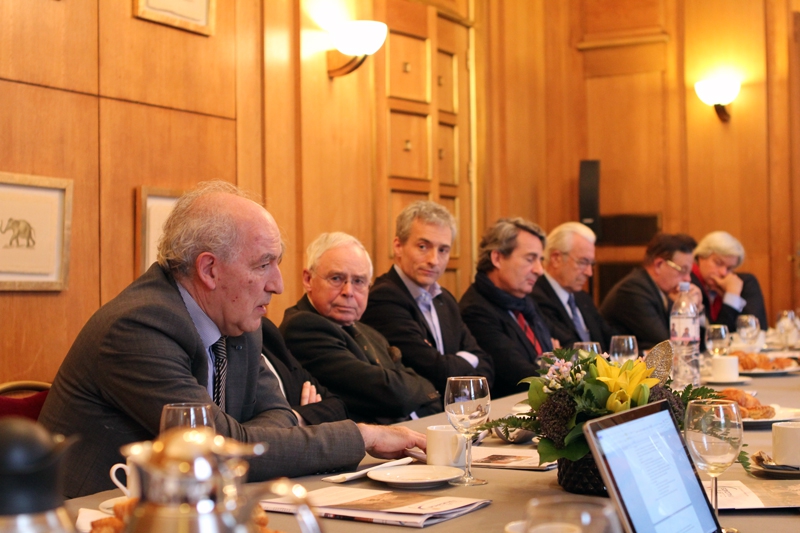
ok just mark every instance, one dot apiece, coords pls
pixel 589 195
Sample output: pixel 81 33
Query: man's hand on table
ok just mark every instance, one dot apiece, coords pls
pixel 390 442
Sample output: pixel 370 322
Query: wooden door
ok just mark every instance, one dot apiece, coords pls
pixel 423 127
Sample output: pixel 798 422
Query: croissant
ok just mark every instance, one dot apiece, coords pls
pixel 741 397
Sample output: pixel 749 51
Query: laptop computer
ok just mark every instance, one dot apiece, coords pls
pixel 648 472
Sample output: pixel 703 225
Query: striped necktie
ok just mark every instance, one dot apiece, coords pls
pixel 579 327
pixel 220 371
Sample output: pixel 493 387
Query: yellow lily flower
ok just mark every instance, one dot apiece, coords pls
pixel 611 375
pixel 619 401
pixel 639 375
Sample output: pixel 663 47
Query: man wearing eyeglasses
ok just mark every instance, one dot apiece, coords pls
pixel 349 358
pixel 568 309
pixel 640 303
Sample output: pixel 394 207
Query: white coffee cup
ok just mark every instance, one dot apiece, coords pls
pixel 785 450
pixel 132 490
pixel 725 368
pixel 445 446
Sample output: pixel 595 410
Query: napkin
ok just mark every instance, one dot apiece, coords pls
pixel 86 517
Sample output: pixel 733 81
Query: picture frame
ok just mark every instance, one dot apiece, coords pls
pixel 197 16
pixel 37 211
pixel 153 206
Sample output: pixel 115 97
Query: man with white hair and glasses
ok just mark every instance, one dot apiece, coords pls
pixel 726 294
pixel 568 309
pixel 351 359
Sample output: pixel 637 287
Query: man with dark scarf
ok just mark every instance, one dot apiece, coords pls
pixel 496 308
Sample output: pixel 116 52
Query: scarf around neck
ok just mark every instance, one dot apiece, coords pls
pixel 504 300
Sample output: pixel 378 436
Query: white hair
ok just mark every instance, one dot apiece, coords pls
pixel 328 241
pixel 561 237
pixel 722 243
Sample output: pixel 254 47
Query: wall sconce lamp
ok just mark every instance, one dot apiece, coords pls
pixel 354 41
pixel 718 91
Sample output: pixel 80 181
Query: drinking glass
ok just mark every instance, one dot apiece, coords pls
pixel 467 403
pixel 748 329
pixel 718 339
pixel 588 346
pixel 623 348
pixel 713 433
pixel 787 329
pixel 571 514
pixel 189 415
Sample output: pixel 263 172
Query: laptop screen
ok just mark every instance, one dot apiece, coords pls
pixel 648 473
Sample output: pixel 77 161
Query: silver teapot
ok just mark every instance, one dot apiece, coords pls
pixel 192 481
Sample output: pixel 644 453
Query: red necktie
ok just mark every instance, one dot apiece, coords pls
pixel 528 331
pixel 716 302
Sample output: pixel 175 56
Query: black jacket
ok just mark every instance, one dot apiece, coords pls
pixel 395 314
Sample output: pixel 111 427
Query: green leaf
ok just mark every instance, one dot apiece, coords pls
pixel 574 451
pixel 574 433
pixel 536 395
pixel 596 392
pixel 744 459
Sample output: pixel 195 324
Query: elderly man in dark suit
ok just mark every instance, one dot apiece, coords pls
pixel 311 402
pixel 640 303
pixel 350 358
pixel 568 309
pixel 409 307
pixel 497 309
pixel 189 330
pixel 726 294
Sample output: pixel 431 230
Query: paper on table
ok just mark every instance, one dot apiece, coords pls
pixel 512 458
pixel 86 517
pixel 381 506
pixel 734 495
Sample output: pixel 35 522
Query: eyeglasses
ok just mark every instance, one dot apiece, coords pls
pixel 681 270
pixel 337 281
pixel 583 262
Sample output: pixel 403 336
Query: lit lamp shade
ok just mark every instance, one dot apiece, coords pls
pixel 359 37
pixel 720 90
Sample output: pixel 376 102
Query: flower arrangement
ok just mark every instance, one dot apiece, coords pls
pixel 580 386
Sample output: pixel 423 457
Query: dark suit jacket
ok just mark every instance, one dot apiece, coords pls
pixel 293 375
pixel 559 320
pixel 359 370
pixel 140 351
pixel 513 355
pixel 634 307
pixel 395 314
pixel 751 292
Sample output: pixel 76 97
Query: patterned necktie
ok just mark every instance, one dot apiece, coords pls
pixel 582 333
pixel 220 371
pixel 528 331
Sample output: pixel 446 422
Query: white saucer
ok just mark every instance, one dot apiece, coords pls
pixel 743 380
pixel 415 476
pixel 108 505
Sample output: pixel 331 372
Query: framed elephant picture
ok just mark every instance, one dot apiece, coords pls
pixel 35 222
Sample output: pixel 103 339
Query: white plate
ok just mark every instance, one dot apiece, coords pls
pixel 762 373
pixel 741 381
pixel 108 505
pixel 520 408
pixel 782 414
pixel 415 476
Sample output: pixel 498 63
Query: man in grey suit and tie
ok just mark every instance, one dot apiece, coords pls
pixel 188 330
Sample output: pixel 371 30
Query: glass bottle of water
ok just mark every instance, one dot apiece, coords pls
pixel 684 326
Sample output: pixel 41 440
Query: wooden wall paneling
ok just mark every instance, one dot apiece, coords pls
pixel 408 145
pixel 52 133
pixel 794 123
pixel 337 120
pixel 282 156
pixel 517 112
pixel 147 62
pixel 249 97
pixel 778 31
pixel 621 60
pixel 457 8
pixel 560 118
pixel 727 163
pixel 409 67
pixel 50 43
pixel 155 147
pixel 608 17
pixel 675 216
pixel 626 133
